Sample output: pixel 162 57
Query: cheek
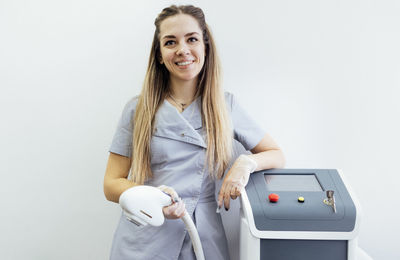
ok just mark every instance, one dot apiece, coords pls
pixel 202 52
pixel 165 55
pixel 203 57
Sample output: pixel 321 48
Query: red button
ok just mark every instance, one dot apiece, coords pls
pixel 273 197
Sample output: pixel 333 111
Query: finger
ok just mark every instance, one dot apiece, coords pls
pixel 227 197
pixel 232 192
pixel 221 194
pixel 237 191
pixel 178 207
pixel 236 194
pixel 220 198
pixel 177 210
pixel 180 211
pixel 169 211
pixel 165 189
pixel 171 208
pixel 166 212
pixel 227 200
pixel 162 187
pixel 172 193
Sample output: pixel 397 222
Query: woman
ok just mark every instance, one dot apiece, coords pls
pixel 178 132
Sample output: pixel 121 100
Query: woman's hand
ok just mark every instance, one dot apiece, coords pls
pixel 177 208
pixel 236 179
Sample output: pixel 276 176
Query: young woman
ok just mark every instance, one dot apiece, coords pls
pixel 177 135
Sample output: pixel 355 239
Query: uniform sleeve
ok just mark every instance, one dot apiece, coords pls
pixel 122 141
pixel 245 130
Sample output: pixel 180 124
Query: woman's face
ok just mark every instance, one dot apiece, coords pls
pixel 182 47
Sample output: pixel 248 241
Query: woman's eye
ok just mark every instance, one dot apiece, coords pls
pixel 169 43
pixel 192 39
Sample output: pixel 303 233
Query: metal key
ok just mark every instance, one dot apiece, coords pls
pixel 330 200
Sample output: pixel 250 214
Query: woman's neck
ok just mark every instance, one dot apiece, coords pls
pixel 183 91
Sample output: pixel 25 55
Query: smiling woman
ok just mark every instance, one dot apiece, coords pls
pixel 178 133
pixel 182 49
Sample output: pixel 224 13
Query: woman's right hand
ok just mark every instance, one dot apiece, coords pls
pixel 177 208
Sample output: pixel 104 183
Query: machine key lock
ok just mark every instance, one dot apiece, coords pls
pixel 330 200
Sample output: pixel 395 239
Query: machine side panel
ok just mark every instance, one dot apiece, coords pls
pixel 282 249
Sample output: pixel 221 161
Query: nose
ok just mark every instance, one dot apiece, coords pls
pixel 182 50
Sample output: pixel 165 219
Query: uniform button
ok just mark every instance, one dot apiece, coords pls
pixel 301 199
pixel 183 134
pixel 273 197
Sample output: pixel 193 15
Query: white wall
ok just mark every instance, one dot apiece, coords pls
pixel 321 76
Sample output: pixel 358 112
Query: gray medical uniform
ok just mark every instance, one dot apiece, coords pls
pixel 178 159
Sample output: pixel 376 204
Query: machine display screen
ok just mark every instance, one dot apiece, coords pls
pixel 306 182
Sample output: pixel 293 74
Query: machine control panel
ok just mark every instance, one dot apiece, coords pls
pixel 300 200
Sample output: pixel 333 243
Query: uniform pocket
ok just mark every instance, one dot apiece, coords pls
pixel 135 237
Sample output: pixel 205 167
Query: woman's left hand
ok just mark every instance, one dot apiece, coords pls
pixel 236 179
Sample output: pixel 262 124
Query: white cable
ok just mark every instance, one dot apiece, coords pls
pixel 194 236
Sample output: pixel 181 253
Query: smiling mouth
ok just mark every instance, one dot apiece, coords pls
pixel 184 63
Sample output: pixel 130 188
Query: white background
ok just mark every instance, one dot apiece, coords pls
pixel 322 76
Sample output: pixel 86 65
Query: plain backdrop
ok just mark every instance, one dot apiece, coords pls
pixel 321 76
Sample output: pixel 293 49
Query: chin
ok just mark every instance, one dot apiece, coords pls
pixel 189 77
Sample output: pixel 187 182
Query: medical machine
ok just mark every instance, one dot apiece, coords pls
pixel 307 214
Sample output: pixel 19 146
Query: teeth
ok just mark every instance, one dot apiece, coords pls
pixel 184 63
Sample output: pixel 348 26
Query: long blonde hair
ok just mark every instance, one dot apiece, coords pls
pixel 155 88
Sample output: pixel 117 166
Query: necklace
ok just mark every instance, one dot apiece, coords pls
pixel 181 105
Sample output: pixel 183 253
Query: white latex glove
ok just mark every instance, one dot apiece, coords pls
pixel 177 208
pixel 236 179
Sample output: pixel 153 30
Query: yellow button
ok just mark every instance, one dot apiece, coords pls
pixel 300 199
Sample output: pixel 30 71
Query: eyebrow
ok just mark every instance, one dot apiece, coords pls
pixel 173 37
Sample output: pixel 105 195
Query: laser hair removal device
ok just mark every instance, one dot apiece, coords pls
pixel 142 205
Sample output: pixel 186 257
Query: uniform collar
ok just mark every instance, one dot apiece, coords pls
pixel 169 123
